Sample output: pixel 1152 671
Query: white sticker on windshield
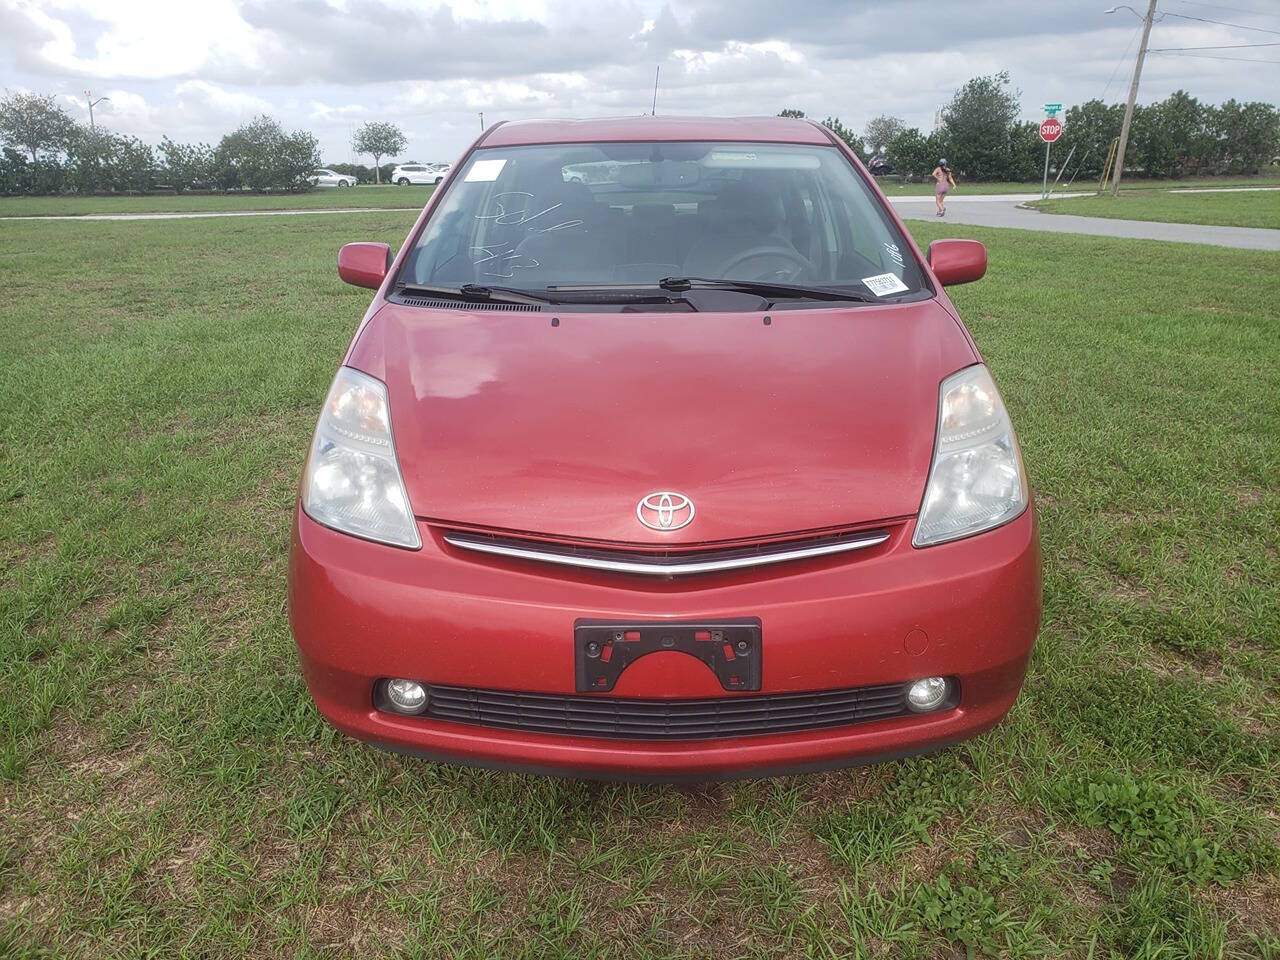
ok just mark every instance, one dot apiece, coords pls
pixel 885 284
pixel 485 171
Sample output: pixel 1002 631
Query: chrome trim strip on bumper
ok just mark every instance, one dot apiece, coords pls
pixel 663 567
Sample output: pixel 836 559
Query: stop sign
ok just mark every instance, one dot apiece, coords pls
pixel 1050 130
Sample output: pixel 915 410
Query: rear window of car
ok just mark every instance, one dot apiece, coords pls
pixel 634 213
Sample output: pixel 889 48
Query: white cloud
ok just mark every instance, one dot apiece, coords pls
pixel 350 111
pixel 211 98
pixel 196 71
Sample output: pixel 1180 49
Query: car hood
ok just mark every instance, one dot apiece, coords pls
pixel 822 418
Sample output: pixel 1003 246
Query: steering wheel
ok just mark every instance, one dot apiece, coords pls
pixel 793 264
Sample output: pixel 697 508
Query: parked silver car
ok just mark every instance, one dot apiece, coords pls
pixel 328 178
pixel 407 173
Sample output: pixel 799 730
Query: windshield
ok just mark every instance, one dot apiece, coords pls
pixel 635 213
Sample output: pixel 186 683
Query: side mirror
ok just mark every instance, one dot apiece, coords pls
pixel 364 264
pixel 957 261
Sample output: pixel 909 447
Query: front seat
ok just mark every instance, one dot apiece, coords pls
pixel 739 231
pixel 573 242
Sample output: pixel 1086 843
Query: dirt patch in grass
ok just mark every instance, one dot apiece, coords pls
pixel 1253 905
pixel 1248 496
pixel 1132 592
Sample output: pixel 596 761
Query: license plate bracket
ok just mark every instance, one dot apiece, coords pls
pixel 603 649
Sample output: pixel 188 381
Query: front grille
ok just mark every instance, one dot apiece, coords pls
pixel 667 563
pixel 634 719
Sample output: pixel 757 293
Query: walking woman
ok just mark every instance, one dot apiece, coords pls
pixel 943 181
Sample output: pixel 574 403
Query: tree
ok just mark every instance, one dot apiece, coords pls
pixel 379 139
pixel 1245 135
pixel 881 131
pixel 1170 137
pixel 909 153
pixel 1090 128
pixel 99 160
pixel 844 133
pixel 260 156
pixel 1026 153
pixel 792 113
pixel 35 123
pixel 980 121
pixel 913 154
pixel 186 164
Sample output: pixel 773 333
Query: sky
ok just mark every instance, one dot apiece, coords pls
pixel 195 71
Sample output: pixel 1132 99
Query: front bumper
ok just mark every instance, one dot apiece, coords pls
pixel 362 611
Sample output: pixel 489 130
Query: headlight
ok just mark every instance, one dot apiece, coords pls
pixel 977 480
pixel 352 481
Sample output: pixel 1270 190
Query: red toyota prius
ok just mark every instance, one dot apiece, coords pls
pixel 662 454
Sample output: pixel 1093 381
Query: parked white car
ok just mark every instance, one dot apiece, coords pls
pixel 328 178
pixel 407 173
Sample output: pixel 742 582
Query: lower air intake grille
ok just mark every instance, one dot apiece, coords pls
pixel 632 719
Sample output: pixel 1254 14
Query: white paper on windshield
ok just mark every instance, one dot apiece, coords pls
pixel 485 171
pixel 885 284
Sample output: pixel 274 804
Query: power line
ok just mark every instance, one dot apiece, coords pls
pixel 1221 23
pixel 1205 56
pixel 1123 57
pixel 1219 6
pixel 1224 46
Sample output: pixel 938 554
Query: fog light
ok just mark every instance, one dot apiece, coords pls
pixel 928 694
pixel 406 696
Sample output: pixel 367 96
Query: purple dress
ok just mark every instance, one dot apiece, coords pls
pixel 943 185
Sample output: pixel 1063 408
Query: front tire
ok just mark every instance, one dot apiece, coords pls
pixel 344 183
pixel 402 182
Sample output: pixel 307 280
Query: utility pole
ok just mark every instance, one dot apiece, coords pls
pixel 656 71
pixel 482 121
pixel 92 103
pixel 1133 96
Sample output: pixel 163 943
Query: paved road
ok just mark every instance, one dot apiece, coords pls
pixel 1005 211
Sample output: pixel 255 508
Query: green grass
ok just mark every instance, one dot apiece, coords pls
pixel 168 790
pixel 894 189
pixel 1253 209
pixel 387 196
pixel 364 195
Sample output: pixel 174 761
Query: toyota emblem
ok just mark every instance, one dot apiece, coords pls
pixel 665 510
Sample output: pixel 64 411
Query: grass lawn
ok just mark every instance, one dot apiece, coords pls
pixel 1254 209
pixel 1086 185
pixel 892 188
pixel 364 195
pixel 167 788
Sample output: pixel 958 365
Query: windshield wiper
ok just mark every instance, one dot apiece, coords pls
pixel 765 288
pixel 552 294
pixel 612 293
pixel 475 291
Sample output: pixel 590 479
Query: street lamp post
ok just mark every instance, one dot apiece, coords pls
pixel 93 103
pixel 1133 90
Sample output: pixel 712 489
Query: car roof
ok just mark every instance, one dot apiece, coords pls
pixel 761 129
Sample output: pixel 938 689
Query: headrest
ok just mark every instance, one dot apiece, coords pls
pixel 740 207
pixel 653 214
